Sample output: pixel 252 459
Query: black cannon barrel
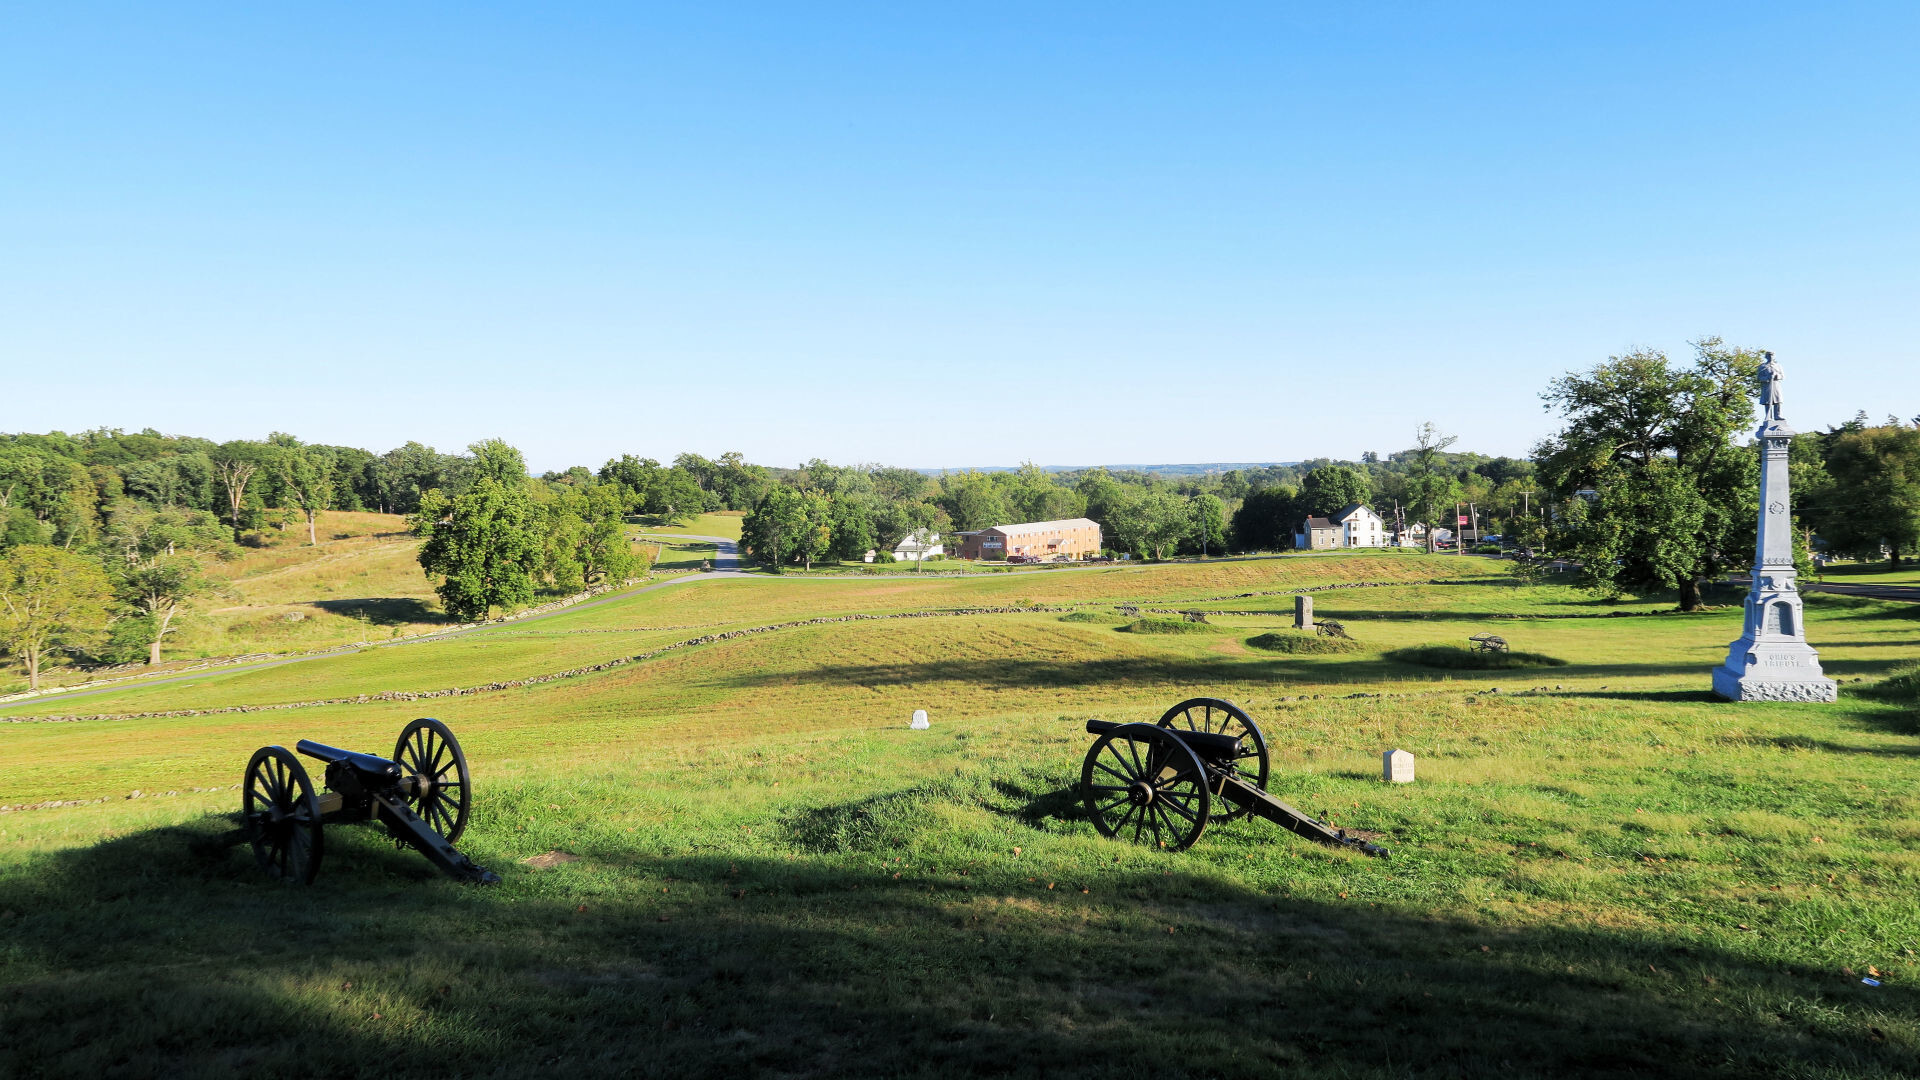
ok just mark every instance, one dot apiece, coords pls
pixel 1208 744
pixel 366 764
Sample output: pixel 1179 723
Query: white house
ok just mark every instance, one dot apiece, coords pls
pixel 917 545
pixel 1353 527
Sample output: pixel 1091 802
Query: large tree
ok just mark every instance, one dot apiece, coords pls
pixel 1430 481
pixel 1661 491
pixel 49 598
pixel 305 475
pixel 1209 523
pixel 1332 488
pixel 1266 520
pixel 1873 497
pixel 234 466
pixel 481 545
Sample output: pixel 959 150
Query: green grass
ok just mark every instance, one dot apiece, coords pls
pixel 1902 686
pixel 1623 877
pixel 1095 617
pixel 1167 626
pixel 1453 657
pixel 1295 643
pixel 720 523
pixel 678 557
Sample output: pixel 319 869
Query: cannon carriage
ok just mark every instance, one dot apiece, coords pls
pixel 422 795
pixel 1205 763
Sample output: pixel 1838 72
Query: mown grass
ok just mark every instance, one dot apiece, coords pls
pixel 1167 626
pixel 1297 643
pixel 720 523
pixel 1624 877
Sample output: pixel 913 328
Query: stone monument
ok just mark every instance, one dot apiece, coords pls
pixel 919 720
pixel 1772 660
pixel 1303 613
pixel 1396 767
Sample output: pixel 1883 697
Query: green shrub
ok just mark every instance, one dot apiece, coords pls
pixel 1902 686
pixel 1166 626
pixel 1090 617
pixel 1298 644
pixel 1456 658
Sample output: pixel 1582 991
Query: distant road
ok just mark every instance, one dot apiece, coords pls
pixel 1907 593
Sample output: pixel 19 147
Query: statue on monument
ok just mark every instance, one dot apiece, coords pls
pixel 1772 661
pixel 1770 376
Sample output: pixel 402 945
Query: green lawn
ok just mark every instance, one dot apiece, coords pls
pixel 1601 870
pixel 1872 573
pixel 723 523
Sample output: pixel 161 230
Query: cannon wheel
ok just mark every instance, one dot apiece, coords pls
pixel 1142 784
pixel 428 749
pixel 1226 718
pixel 282 816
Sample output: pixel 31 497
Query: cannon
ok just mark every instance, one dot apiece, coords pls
pixel 421 794
pixel 1205 763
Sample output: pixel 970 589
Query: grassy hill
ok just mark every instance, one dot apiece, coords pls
pixel 1600 871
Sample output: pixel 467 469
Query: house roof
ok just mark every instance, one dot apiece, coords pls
pixel 1318 523
pixel 1030 527
pixel 1349 511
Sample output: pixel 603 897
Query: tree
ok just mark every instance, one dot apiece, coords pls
pixel 306 481
pixel 234 467
pixel 1873 498
pixel 1209 522
pixel 973 501
pixel 49 598
pixel 788 525
pixel 481 544
pixel 1266 520
pixel 1430 485
pixel 1165 520
pixel 158 587
pixel 1663 497
pixel 1333 488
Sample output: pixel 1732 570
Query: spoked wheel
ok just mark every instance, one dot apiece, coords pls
pixel 1142 784
pixel 428 750
pixel 282 816
pixel 1225 718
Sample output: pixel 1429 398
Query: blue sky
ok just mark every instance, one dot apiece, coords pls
pixel 883 233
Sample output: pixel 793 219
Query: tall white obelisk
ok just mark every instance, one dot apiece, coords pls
pixel 1772 660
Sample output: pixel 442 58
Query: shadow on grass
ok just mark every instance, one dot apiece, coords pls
pixel 1802 742
pixel 384 610
pixel 1176 671
pixel 132 958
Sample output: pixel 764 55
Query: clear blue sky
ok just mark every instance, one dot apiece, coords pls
pixel 1144 233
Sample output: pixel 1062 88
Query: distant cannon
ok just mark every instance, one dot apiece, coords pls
pixel 1332 628
pixel 1488 643
pixel 421 794
pixel 1205 763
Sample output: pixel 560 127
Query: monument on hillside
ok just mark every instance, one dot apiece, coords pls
pixel 1772 660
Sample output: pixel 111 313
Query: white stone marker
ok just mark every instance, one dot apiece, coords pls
pixel 1772 660
pixel 1396 767
pixel 919 720
pixel 1303 613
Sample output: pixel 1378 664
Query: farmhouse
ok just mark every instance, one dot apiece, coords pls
pixel 1354 526
pixel 1075 538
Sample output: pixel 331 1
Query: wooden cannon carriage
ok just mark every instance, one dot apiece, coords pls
pixel 1205 763
pixel 421 794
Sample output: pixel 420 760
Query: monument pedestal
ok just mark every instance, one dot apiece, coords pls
pixel 1772 660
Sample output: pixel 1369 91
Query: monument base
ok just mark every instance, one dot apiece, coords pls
pixel 1760 686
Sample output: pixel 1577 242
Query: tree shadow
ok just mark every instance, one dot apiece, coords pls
pixel 132 958
pixel 383 610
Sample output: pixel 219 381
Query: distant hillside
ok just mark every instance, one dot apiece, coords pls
pixel 1158 470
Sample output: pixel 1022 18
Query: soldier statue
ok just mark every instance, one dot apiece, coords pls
pixel 1770 387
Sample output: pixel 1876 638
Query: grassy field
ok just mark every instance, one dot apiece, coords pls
pixel 1601 870
pixel 720 523
pixel 1872 573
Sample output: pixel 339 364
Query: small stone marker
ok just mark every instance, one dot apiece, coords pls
pixel 1303 613
pixel 919 720
pixel 1396 767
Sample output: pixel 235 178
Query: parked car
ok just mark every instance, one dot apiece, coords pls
pixel 1022 559
pixel 1061 558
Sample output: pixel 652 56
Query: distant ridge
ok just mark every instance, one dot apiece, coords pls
pixel 1159 470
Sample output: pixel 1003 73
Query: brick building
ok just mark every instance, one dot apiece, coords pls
pixel 1076 538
